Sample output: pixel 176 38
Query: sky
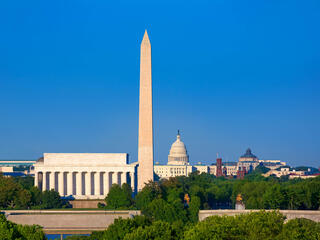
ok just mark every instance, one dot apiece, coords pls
pixel 229 74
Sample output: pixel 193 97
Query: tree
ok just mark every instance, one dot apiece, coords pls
pixel 159 209
pixel 26 182
pixel 119 198
pixel 194 208
pixel 36 195
pixel 51 199
pixel 150 192
pixel 273 197
pixel 215 227
pixel 33 232
pixel 23 199
pixel 300 229
pixel 121 227
pixel 157 231
pixel 9 190
pixel 10 231
pixel 260 225
pixel 256 225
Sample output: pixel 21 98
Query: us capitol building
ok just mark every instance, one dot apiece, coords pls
pixel 178 162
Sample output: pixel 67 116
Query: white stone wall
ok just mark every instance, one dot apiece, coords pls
pixel 85 159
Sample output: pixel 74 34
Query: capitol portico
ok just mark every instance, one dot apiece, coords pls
pixel 84 175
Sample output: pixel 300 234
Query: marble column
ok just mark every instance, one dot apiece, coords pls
pixel 70 183
pixel 122 178
pixel 36 179
pixel 79 186
pixel 115 178
pixel 97 183
pixel 44 181
pixel 61 184
pixel 106 183
pixel 88 183
pixel 52 180
pixel 132 180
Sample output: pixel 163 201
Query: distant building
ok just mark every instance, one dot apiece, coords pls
pixel 16 163
pixel 178 153
pixel 272 164
pixel 219 167
pixel 84 175
pixel 248 157
pixel 178 162
pixel 246 164
pixel 201 168
pixel 230 168
pixel 286 171
pixel 6 169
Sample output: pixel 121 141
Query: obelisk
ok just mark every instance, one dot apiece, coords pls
pixel 145 148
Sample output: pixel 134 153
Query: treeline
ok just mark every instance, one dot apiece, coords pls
pixel 209 192
pixel 20 193
pixel 11 231
pixel 170 207
pixel 257 225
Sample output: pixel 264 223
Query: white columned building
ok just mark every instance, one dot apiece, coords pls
pixel 84 175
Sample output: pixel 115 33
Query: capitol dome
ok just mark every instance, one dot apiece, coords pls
pixel 178 153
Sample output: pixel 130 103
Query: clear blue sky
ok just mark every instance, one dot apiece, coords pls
pixel 229 74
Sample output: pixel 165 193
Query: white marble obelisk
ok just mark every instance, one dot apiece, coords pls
pixel 145 150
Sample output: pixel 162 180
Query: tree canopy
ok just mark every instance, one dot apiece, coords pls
pixel 19 193
pixel 11 231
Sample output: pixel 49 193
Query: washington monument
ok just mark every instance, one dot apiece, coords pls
pixel 145 149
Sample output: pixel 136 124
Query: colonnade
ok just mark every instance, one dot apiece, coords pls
pixel 82 184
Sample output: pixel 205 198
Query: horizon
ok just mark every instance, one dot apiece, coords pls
pixel 229 75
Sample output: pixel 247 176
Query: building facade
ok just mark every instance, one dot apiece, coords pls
pixel 178 162
pixel 84 175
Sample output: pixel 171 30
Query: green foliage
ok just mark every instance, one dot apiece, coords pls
pixel 9 190
pixel 121 227
pixel 215 228
pixel 119 197
pixel 150 192
pixel 33 232
pixel 194 209
pixel 260 225
pixel 274 197
pixel 157 231
pixel 256 225
pixel 159 209
pixel 51 199
pixel 26 182
pixel 19 193
pixel 10 231
pixel 169 218
pixel 300 229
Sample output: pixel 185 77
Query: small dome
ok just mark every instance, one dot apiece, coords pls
pixel 248 156
pixel 178 153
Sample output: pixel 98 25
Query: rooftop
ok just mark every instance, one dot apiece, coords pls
pixel 248 154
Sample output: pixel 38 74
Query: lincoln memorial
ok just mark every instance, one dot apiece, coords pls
pixel 84 175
